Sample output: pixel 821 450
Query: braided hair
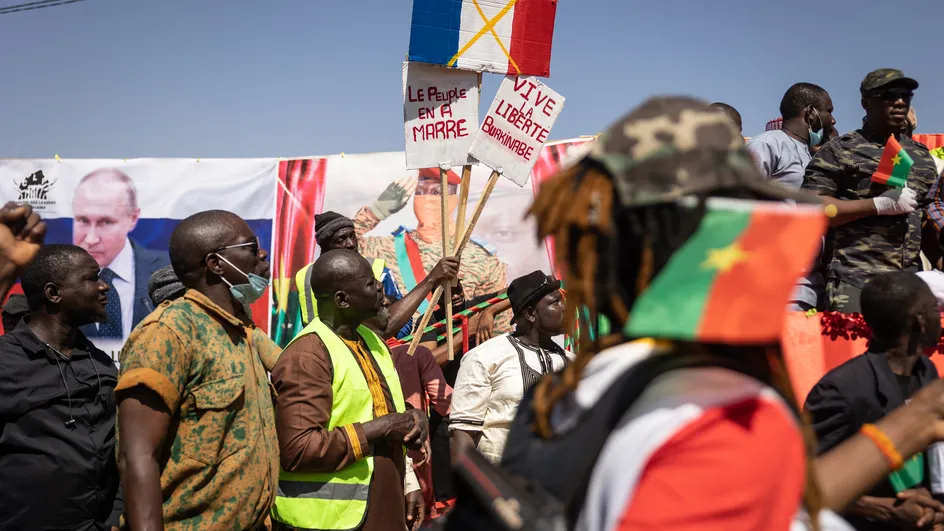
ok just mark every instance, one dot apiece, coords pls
pixel 608 255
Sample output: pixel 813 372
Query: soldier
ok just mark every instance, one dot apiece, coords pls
pixel 875 228
pixel 410 254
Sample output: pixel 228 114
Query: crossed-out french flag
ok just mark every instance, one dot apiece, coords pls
pixel 501 36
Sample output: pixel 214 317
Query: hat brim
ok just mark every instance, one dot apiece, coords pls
pixel 539 294
pixel 907 82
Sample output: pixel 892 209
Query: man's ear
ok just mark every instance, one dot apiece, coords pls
pixel 530 314
pixel 341 300
pixel 52 293
pixel 214 264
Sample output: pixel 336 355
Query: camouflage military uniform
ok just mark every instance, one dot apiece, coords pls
pixel 481 272
pixel 843 169
pixel 222 462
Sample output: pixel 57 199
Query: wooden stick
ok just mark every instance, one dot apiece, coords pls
pixel 444 196
pixel 489 186
pixel 463 202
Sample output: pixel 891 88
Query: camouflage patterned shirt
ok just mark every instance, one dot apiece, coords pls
pixel 220 464
pixel 480 271
pixel 843 169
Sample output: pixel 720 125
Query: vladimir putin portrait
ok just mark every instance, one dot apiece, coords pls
pixel 104 211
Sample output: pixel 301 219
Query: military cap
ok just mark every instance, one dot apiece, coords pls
pixel 883 76
pixel 673 146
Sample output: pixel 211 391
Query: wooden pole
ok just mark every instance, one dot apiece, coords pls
pixel 463 202
pixel 466 234
pixel 444 202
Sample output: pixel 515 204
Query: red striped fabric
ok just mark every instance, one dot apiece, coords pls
pixel 531 36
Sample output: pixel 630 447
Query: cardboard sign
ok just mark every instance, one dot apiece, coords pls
pixel 516 127
pixel 440 112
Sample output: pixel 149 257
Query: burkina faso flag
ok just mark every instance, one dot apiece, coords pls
pixel 731 280
pixel 894 166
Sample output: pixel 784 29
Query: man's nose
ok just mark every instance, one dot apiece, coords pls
pixel 263 254
pixel 91 237
pixel 103 286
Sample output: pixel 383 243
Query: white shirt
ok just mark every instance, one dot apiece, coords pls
pixel 123 267
pixel 489 387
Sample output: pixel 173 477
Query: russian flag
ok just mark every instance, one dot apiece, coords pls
pixel 501 36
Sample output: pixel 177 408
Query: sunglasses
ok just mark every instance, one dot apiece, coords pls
pixel 893 94
pixel 253 246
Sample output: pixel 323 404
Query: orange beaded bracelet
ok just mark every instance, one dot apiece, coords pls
pixel 884 444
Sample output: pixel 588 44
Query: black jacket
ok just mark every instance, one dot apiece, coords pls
pixel 57 436
pixel 860 391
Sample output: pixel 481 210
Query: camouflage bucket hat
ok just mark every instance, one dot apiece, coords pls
pixel 674 146
pixel 883 76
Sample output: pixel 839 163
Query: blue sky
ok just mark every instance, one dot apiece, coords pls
pixel 258 78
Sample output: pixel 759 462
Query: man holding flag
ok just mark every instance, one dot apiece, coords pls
pixel 875 184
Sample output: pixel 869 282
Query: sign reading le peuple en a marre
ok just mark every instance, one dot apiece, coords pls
pixel 440 114
pixel 516 127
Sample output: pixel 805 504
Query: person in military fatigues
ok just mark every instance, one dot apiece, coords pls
pixel 874 227
pixel 411 253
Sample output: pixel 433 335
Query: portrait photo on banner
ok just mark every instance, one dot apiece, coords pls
pixel 123 214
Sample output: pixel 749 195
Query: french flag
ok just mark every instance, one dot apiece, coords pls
pixel 501 36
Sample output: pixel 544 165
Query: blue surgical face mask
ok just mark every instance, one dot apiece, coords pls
pixel 248 293
pixel 816 137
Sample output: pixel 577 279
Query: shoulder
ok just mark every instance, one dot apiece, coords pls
pixel 304 355
pixel 483 246
pixel 767 138
pixel 912 143
pixel 490 351
pixel 179 318
pixel 847 378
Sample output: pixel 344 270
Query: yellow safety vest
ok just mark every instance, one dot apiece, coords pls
pixel 306 298
pixel 338 500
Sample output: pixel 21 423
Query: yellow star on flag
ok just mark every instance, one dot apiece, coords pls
pixel 896 160
pixel 725 258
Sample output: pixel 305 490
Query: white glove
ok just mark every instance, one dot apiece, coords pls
pixel 896 201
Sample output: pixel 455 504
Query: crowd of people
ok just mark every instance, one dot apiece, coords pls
pixel 624 428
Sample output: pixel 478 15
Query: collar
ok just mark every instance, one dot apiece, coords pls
pixel 212 308
pixel 123 264
pixel 885 381
pixel 873 136
pixel 34 346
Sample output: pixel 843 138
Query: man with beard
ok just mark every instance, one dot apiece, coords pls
pixel 411 253
pixel 875 228
pixel 57 411
pixel 341 418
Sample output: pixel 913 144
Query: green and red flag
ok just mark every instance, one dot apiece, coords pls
pixel 731 280
pixel 894 167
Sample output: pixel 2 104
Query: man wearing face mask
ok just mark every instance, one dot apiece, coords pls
pixel 410 254
pixel 875 228
pixel 782 155
pixel 903 315
pixel 198 449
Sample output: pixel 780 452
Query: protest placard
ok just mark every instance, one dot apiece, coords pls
pixel 440 114
pixel 516 127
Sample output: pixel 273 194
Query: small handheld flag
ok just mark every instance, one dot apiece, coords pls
pixel 894 167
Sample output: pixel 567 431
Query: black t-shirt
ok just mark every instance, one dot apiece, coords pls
pixel 909 385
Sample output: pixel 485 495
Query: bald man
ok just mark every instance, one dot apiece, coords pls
pixel 341 417
pixel 104 211
pixel 198 449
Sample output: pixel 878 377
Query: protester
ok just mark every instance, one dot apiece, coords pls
pixel 495 375
pixel 57 403
pixel 105 211
pixel 875 228
pixel 730 112
pixel 15 309
pixel 782 155
pixel 197 420
pixel 711 427
pixel 902 313
pixel 165 286
pixel 334 231
pixel 411 253
pixel 341 417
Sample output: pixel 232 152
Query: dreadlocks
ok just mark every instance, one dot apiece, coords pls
pixel 598 248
